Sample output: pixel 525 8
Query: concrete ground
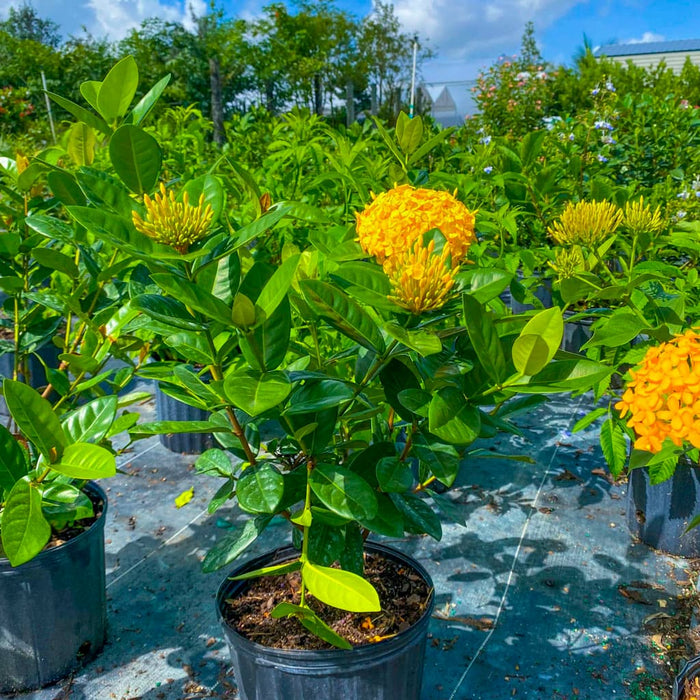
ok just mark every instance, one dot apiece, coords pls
pixel 542 595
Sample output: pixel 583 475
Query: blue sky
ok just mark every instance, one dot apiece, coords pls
pixel 466 34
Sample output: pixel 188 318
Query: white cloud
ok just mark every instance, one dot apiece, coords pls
pixel 462 30
pixel 646 38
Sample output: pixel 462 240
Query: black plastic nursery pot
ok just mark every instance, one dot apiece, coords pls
pixel 389 670
pixel 168 408
pixel 690 670
pixel 53 609
pixel 659 514
pixel 576 333
pixel 37 375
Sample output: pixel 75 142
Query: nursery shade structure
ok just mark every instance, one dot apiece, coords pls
pixel 528 593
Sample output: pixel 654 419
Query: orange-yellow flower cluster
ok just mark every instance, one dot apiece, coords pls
pixel 173 223
pixel 394 220
pixel 421 281
pixel 391 229
pixel 663 396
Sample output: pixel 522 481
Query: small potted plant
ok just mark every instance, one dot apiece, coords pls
pixel 52 575
pixel 659 412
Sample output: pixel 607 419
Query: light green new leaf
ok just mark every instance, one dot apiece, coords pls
pixel 81 144
pixel 118 89
pixel 83 460
pixel 538 341
pixel 148 101
pixel 340 589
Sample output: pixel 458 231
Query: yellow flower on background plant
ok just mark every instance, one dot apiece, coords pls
pixel 420 279
pixel 586 223
pixel 639 218
pixel 173 223
pixel 662 397
pixel 395 219
pixel 568 262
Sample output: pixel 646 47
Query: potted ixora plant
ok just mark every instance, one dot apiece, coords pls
pixel 660 412
pixel 346 380
pixel 52 574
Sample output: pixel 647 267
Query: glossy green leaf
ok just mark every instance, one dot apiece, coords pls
pixel 190 345
pixel 452 418
pixel 274 570
pixel 83 460
pixel 24 528
pixel 418 516
pixel 80 113
pixel 343 492
pixel 255 392
pixel 484 338
pixel 277 286
pixel 194 297
pixel 388 521
pixel 340 589
pixel 441 459
pixel 619 329
pixel 174 427
pixel 92 421
pixel 214 462
pixel 148 101
pixel 166 310
pixel 318 395
pixel 118 89
pixel 409 132
pixel 65 502
pixel 90 89
pixel 311 622
pixel 233 545
pixel 422 341
pixel 65 188
pixel 104 189
pixel 614 446
pixel 56 261
pixel 265 346
pixel 487 284
pixel 394 475
pixel 260 489
pixel 35 418
pixel 343 313
pixel 13 465
pixel 538 341
pixel 136 157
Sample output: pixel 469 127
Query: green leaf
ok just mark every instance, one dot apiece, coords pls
pixel 394 475
pixel 56 261
pixel 487 284
pixel 81 114
pixel 65 502
pixel 442 460
pixel 260 489
pixel 318 395
pixel 90 89
pixel 13 465
pixel 343 492
pixel 388 521
pixel 104 189
pixel 452 418
pixel 274 570
pixel 311 622
pixel 232 546
pixel 118 89
pixel 614 446
pixel 277 286
pixel 24 528
pixel 148 101
pixel 343 313
pixel 255 392
pixel 35 418
pixel 91 422
pixel 340 589
pixel 538 341
pixel 136 157
pixel 484 338
pixel 175 427
pixel 81 144
pixel 192 346
pixel 83 460
pixel 66 189
pixel 423 342
pixel 619 329
pixel 214 462
pixel 531 146
pixel 166 310
pixel 265 346
pixel 409 132
pixel 418 516
pixel 193 296
pixel 588 419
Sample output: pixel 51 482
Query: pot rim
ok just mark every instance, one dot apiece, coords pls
pixel 692 664
pixel 91 487
pixel 374 651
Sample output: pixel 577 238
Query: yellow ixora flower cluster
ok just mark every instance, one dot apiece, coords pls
pixel 586 223
pixel 662 397
pixel 173 223
pixel 639 218
pixel 391 229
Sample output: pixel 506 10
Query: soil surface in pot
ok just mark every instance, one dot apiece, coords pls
pixel 402 593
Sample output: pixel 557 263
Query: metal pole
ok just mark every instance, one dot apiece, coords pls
pixel 48 106
pixel 413 77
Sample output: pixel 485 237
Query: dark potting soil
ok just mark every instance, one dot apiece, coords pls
pixel 402 593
